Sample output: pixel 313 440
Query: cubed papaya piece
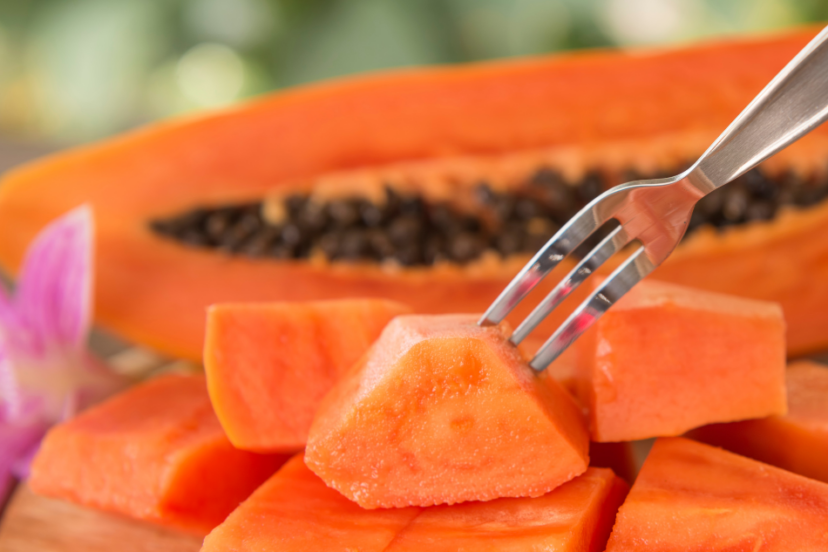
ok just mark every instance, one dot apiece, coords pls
pixel 575 517
pixel 154 452
pixel 691 496
pixel 269 365
pixel 666 359
pixel 439 411
pixel 294 511
pixel 797 441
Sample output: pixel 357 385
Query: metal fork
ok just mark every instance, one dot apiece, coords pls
pixel 656 212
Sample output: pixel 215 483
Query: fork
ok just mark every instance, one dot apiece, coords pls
pixel 657 212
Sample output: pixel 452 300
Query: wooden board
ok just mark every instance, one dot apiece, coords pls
pixel 34 523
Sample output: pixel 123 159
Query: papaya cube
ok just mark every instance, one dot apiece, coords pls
pixel 668 358
pixel 575 517
pixel 441 410
pixel 294 511
pixel 154 452
pixel 797 441
pixel 691 496
pixel 269 365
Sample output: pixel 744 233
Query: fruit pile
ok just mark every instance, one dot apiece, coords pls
pixel 431 431
pixel 333 233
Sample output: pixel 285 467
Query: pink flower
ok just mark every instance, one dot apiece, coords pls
pixel 46 373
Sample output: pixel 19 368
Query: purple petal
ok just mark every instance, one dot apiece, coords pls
pixel 7 315
pixel 16 441
pixel 53 298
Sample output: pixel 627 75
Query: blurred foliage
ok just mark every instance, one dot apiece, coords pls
pixel 75 70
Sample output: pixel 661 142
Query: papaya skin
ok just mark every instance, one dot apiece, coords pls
pixel 654 104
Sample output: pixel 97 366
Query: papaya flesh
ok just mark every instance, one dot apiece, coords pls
pixel 573 113
pixel 691 496
pixel 295 511
pixel 155 452
pixel 577 516
pixel 796 441
pixel 439 411
pixel 666 359
pixel 268 365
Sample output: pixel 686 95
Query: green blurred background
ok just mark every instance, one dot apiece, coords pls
pixel 77 70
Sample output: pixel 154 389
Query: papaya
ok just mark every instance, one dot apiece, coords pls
pixel 577 516
pixel 431 187
pixel 268 365
pixel 796 441
pixel 295 511
pixel 441 410
pixel 155 452
pixel 666 359
pixel 691 496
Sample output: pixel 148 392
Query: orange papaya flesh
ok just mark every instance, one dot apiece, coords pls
pixel 268 365
pixel 577 516
pixel 295 511
pixel 796 441
pixel 666 359
pixel 568 111
pixel 439 411
pixel 155 452
pixel 691 496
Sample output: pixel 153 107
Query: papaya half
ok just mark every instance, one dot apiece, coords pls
pixel 431 187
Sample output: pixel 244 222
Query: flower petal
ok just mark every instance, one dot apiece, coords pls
pixel 15 442
pixel 7 314
pixel 53 298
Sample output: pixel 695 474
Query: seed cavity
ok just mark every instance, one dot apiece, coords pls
pixel 411 231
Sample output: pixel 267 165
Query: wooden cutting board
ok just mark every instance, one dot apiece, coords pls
pixel 34 523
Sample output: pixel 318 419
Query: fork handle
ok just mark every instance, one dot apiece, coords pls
pixel 791 105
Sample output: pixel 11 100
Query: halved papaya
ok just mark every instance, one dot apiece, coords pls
pixel 690 496
pixel 268 365
pixel 296 511
pixel 183 221
pixel 666 359
pixel 797 441
pixel 154 452
pixel 439 411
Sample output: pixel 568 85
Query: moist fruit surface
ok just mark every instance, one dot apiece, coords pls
pixel 668 358
pixel 796 441
pixel 296 511
pixel 440 411
pixel 690 496
pixel 268 365
pixel 154 452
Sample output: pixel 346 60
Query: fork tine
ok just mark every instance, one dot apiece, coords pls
pixel 631 271
pixel 610 245
pixel 559 246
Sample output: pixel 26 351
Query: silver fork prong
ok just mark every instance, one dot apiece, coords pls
pixel 556 249
pixel 631 271
pixel 609 246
